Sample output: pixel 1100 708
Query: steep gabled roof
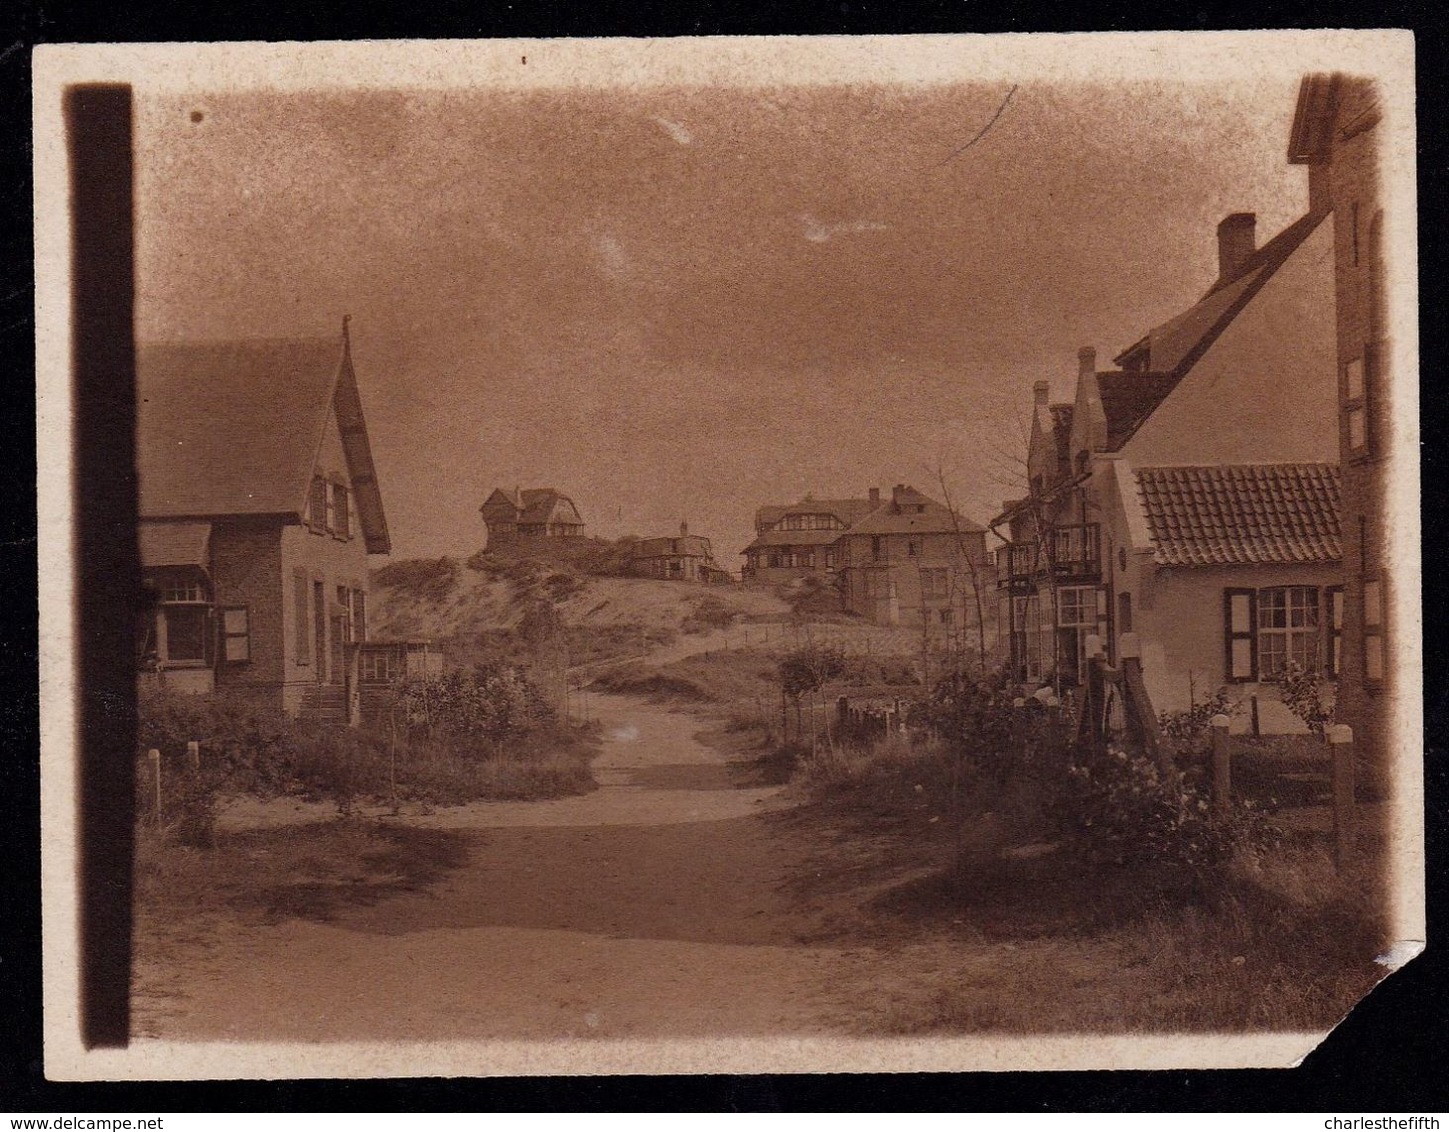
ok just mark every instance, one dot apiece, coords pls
pixel 1129 398
pixel 1241 514
pixel 234 428
pixel 766 539
pixel 1175 346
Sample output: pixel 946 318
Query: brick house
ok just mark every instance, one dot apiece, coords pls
pixel 259 505
pixel 797 540
pixel 685 558
pixel 1336 134
pixel 1192 495
pixel 911 561
pixel 529 513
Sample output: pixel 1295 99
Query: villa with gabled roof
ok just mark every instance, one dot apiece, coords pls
pixel 1191 495
pixel 259 505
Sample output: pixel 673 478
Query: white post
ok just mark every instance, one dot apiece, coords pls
pixel 1340 738
pixel 193 752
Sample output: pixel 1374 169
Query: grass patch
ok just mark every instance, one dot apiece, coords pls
pixel 741 678
pixel 432 579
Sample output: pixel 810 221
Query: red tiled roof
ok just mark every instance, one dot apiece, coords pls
pixel 1238 514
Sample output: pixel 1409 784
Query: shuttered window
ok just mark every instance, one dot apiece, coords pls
pixel 1240 623
pixel 341 516
pixel 317 505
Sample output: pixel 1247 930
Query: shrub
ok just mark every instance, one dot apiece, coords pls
pixel 431 579
pixel 1188 731
pixel 707 612
pixel 1125 811
pixel 1301 691
pixel 491 702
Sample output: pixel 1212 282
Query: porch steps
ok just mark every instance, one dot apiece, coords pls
pixel 325 703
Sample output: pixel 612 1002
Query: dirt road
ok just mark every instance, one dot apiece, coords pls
pixel 655 906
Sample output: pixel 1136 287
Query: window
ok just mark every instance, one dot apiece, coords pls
pixel 875 547
pixel 301 619
pixel 236 634
pixel 935 583
pixel 830 560
pixel 1266 630
pixel 317 502
pixel 1373 630
pixel 378 667
pixel 1080 613
pixel 183 627
pixel 913 548
pixel 1355 406
pixel 340 521
pixel 1334 659
pixel 809 522
pixel 1287 629
pixel 946 617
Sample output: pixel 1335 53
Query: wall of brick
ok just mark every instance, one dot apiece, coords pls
pixel 246 568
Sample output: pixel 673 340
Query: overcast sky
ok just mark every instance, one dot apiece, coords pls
pixel 682 304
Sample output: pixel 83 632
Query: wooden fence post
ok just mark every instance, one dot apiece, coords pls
pixel 193 752
pixel 842 711
pixel 1222 765
pixel 155 756
pixel 1340 738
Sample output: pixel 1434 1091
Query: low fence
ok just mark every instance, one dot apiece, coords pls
pixel 1332 769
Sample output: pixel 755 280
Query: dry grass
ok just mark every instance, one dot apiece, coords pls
pixel 1045 941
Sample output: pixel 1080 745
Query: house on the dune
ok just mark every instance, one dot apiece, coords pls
pixel 1192 495
pixel 797 540
pixel 911 561
pixel 513 517
pixel 682 558
pixel 259 505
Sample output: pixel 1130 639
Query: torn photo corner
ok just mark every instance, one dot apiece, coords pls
pixel 726 555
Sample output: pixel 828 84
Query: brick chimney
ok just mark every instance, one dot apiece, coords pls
pixel 1086 362
pixel 1237 234
pixel 683 528
pixel 875 497
pixel 1039 392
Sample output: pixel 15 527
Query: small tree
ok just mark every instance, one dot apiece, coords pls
pixel 806 671
pixel 1301 690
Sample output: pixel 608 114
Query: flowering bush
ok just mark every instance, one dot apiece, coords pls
pixel 494 703
pixel 1125 811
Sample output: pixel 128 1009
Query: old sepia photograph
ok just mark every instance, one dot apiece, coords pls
pixel 726 555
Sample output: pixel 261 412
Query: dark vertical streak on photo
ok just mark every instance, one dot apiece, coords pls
pixel 98 126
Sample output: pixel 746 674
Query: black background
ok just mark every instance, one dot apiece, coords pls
pixel 1384 1057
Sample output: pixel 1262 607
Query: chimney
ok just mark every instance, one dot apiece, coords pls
pixel 1236 236
pixel 896 493
pixel 683 528
pixel 875 497
pixel 1086 361
pixel 1040 391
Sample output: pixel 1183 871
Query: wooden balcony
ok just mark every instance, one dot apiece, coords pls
pixel 1070 553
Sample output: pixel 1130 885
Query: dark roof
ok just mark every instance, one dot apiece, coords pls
pixel 792 538
pixel 528 505
pixel 846 510
pixel 683 546
pixel 1240 514
pixel 1128 399
pixel 234 428
pixel 898 516
pixel 174 544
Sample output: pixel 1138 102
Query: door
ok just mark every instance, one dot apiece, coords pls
pixel 337 665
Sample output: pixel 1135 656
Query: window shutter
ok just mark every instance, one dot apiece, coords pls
pixel 1240 628
pixel 301 622
pixel 317 507
pixel 1335 630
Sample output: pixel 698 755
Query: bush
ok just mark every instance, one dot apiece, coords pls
pixel 491 702
pixel 432 579
pixel 1301 691
pixel 1188 732
pixel 707 612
